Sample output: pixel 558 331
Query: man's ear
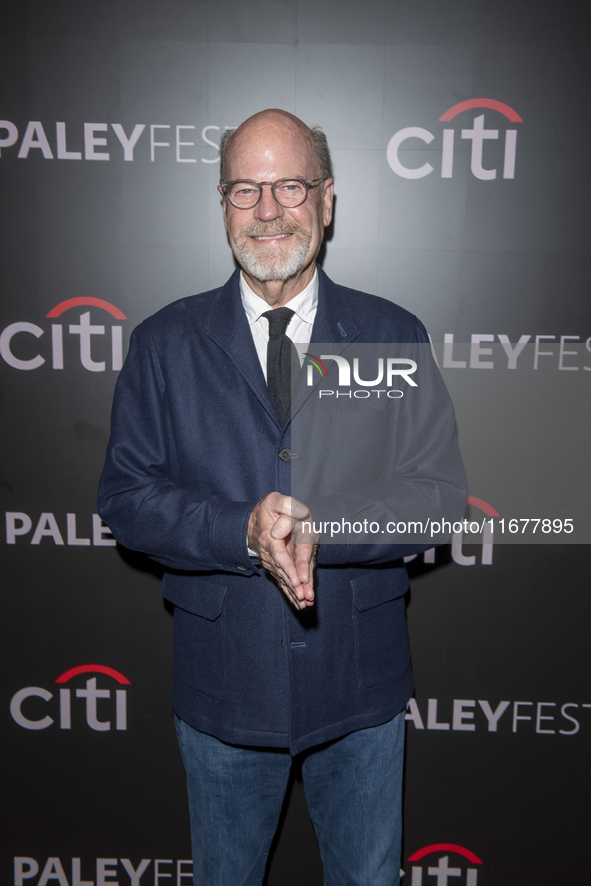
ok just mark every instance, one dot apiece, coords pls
pixel 327 198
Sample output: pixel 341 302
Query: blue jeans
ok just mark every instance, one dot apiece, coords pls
pixel 353 787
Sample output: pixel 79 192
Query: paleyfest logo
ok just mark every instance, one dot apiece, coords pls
pixel 15 349
pixel 51 141
pixel 478 134
pixel 444 869
pixel 104 871
pixel 26 712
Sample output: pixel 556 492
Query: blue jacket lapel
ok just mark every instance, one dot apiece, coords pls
pixel 228 327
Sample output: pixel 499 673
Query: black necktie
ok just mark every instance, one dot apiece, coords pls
pixel 279 359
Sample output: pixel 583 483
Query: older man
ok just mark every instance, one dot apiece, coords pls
pixel 198 476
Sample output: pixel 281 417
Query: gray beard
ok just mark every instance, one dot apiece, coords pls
pixel 265 268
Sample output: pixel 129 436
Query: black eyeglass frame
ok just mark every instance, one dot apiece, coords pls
pixel 247 181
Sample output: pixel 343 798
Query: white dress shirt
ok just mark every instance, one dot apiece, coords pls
pixel 299 330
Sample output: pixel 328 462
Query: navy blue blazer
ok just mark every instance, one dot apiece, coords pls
pixel 194 446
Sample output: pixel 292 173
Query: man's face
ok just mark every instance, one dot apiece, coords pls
pixel 272 242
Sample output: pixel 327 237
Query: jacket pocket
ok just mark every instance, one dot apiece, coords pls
pixel 202 594
pixel 199 652
pixel 381 640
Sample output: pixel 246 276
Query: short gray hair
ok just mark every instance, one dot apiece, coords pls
pixel 319 144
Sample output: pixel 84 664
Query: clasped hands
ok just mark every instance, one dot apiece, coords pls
pixel 287 552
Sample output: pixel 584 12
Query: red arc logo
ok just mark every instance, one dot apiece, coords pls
pixel 92 668
pixel 86 300
pixel 491 103
pixel 444 847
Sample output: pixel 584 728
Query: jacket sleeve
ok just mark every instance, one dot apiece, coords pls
pixel 138 498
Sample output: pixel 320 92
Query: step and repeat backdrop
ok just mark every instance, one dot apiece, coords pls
pixel 460 139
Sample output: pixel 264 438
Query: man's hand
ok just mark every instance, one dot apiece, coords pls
pixel 275 534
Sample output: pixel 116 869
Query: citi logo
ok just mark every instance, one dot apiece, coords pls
pixel 458 538
pixel 478 134
pixel 461 532
pixel 443 870
pixel 26 712
pixel 15 350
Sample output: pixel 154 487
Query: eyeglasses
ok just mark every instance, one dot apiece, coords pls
pixel 288 192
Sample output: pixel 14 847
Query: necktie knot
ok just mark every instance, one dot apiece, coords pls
pixel 278 321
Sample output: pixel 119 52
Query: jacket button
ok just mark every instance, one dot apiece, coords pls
pixel 241 567
pixel 285 455
pixel 283 644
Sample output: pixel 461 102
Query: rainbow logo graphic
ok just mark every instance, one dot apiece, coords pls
pixel 317 362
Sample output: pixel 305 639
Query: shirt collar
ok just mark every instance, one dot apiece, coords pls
pixel 304 304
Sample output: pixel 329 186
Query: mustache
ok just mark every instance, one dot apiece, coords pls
pixel 279 226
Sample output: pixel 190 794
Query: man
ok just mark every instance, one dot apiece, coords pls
pixel 273 656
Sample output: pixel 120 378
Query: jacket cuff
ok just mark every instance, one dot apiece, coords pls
pixel 228 537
